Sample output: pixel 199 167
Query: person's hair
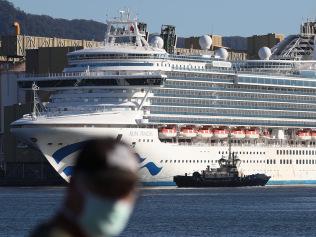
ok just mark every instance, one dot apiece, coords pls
pixel 93 168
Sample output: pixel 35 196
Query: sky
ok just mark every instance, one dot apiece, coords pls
pixel 191 17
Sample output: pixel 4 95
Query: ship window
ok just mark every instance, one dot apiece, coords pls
pixel 161 161
pixel 290 162
pixel 247 152
pixel 303 162
pixel 204 161
pixel 281 162
pixel 313 152
pixel 219 152
pixel 166 161
pixel 152 140
pixel 186 161
pixel 247 161
pixel 287 152
pixel 309 152
pixel 190 161
pixel 197 161
pixel 144 140
pixel 208 161
pixel 59 144
pixel 274 162
pixel 170 161
pixel 267 162
pixel 300 152
pixel 297 162
pixel 139 140
pixel 313 161
pixel 49 143
pixel 182 161
pixel 300 162
pixel 290 152
pixel 296 152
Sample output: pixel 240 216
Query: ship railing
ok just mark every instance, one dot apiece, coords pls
pixel 88 74
pixel 255 71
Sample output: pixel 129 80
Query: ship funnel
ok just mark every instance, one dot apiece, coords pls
pixel 17 28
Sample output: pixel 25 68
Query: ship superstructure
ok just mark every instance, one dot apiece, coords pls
pixel 177 111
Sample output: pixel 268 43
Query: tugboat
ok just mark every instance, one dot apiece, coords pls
pixel 227 175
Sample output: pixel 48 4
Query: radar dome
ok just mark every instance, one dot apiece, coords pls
pixel 264 53
pixel 157 41
pixel 205 42
pixel 221 53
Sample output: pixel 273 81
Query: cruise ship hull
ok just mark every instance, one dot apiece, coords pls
pixel 160 161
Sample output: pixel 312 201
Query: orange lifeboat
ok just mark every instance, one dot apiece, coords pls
pixel 205 132
pixel 313 135
pixel 168 132
pixel 220 133
pixel 238 133
pixel 188 132
pixel 303 135
pixel 252 133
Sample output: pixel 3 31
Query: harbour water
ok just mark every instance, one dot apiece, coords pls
pixel 259 211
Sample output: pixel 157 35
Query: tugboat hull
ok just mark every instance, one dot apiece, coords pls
pixel 200 181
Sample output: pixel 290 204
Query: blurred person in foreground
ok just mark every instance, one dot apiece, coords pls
pixel 101 193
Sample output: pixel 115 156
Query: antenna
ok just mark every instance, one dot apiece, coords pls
pixel 36 101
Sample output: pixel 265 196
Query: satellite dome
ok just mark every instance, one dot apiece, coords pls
pixel 157 41
pixel 205 42
pixel 264 53
pixel 221 53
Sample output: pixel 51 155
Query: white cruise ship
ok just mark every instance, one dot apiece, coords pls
pixel 178 111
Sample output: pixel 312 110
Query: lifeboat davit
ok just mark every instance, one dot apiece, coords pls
pixel 304 135
pixel 167 132
pixel 238 133
pixel 313 135
pixel 220 133
pixel 188 132
pixel 205 132
pixel 266 134
pixel 252 133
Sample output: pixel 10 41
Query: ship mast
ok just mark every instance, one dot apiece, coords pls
pixel 35 111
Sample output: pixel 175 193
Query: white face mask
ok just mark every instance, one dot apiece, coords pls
pixel 104 217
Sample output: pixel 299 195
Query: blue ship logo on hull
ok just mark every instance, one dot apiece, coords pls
pixel 152 168
pixel 65 151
